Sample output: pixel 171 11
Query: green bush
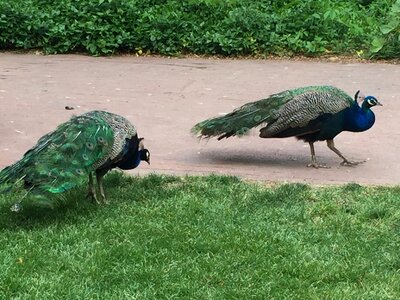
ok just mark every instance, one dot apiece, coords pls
pixel 387 44
pixel 173 27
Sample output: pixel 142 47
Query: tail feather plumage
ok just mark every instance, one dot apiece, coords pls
pixel 59 159
pixel 11 175
pixel 240 121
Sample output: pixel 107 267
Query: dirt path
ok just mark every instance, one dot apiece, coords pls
pixel 165 97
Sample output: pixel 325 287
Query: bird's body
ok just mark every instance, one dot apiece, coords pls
pixel 96 141
pixel 314 113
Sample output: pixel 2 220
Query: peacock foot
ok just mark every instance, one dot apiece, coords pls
pixel 317 166
pixel 349 163
pixel 104 200
pixel 92 196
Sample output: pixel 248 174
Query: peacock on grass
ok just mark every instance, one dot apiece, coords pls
pixel 94 142
pixel 313 113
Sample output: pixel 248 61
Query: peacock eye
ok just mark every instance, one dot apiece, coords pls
pixel 90 146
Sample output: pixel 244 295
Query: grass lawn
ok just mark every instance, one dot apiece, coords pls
pixel 165 237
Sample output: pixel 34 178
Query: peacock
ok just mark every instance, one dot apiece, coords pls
pixel 87 144
pixel 312 113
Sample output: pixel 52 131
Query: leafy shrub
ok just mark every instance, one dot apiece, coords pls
pixel 388 43
pixel 172 27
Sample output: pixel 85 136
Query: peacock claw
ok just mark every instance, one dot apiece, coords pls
pixel 103 199
pixel 92 197
pixel 349 163
pixel 317 166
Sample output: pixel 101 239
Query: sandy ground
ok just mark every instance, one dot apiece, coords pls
pixel 165 97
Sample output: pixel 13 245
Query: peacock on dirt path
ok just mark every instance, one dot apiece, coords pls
pixel 94 142
pixel 313 113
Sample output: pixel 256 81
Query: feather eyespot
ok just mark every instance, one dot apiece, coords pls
pixel 79 171
pixel 102 141
pixel 85 157
pixel 90 146
pixel 242 130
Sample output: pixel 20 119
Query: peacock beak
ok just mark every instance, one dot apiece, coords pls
pixel 379 104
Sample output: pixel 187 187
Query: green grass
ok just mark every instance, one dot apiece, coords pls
pixel 165 237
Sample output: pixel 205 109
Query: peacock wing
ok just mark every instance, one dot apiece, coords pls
pixel 62 158
pixel 307 104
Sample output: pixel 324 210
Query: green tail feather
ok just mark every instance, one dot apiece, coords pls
pixel 241 120
pixel 63 158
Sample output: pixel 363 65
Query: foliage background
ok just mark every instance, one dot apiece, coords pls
pixel 210 27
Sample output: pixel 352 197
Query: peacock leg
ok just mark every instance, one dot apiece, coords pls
pixel 345 162
pixel 91 189
pixel 314 163
pixel 99 177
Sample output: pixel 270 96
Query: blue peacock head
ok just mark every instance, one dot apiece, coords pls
pixel 370 101
pixel 367 101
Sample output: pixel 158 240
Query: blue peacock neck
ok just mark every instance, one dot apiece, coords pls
pixel 358 118
pixel 137 159
pixel 132 162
